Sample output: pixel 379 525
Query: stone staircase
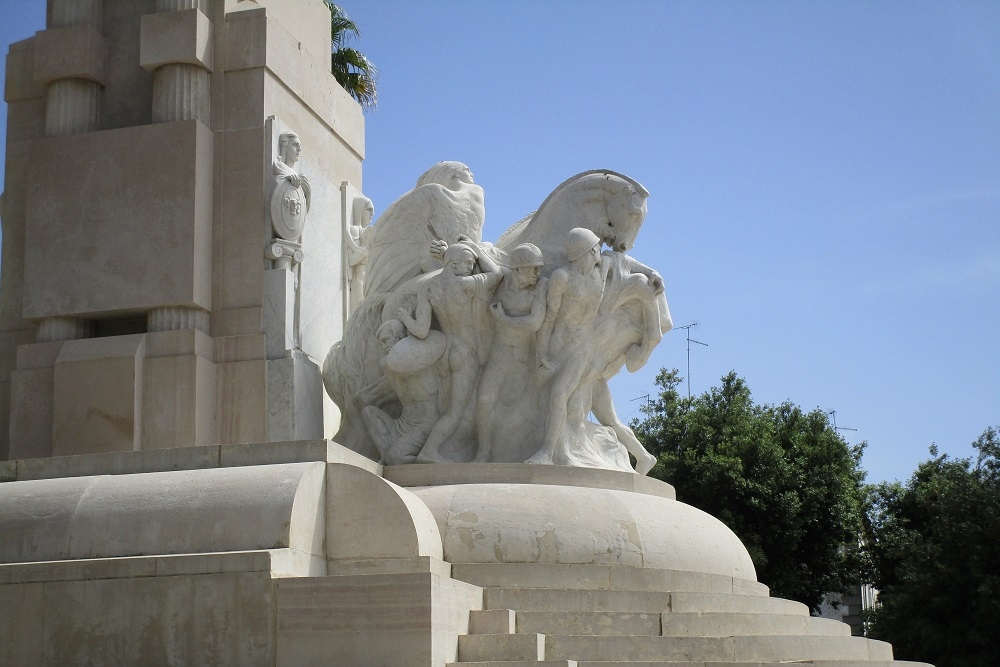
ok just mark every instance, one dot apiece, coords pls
pixel 591 615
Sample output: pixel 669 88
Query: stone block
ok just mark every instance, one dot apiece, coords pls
pixel 31 413
pixel 220 619
pixel 601 623
pixel 176 37
pixel 70 52
pixel 558 599
pixel 244 100
pixel 241 401
pixel 294 399
pixel 182 512
pixel 38 355
pixel 97 395
pixel 528 647
pixel 492 622
pixel 243 232
pixel 237 322
pixel 657 650
pixel 20 81
pixel 246 39
pixel 717 624
pixel 229 349
pixel 369 517
pixel 178 401
pixel 748 604
pixel 131 234
pixel 792 648
pixel 119 463
pixel 279 312
pixel 21 639
pixel 179 342
pixel 391 620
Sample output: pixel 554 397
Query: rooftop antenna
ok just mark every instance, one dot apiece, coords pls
pixel 687 328
pixel 833 414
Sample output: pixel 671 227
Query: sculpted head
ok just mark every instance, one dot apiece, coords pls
pixel 390 333
pixel 362 211
pixel 452 175
pixel 526 261
pixel 289 148
pixel 626 210
pixel 583 246
pixel 460 259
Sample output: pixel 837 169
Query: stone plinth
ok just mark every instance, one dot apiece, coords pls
pixel 301 553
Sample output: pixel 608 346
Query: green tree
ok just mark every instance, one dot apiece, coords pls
pixel 782 479
pixel 350 67
pixel 934 549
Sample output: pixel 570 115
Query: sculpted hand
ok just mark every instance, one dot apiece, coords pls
pixel 438 248
pixel 295 180
pixel 402 314
pixel 656 282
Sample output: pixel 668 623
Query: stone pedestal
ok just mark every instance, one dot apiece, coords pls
pixel 305 553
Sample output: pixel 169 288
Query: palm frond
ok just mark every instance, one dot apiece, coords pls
pixel 352 70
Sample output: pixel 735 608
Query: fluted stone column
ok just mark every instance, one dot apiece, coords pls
pixel 73 104
pixel 52 329
pixel 181 68
pixel 174 318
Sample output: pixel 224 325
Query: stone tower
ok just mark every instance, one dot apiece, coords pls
pixel 152 295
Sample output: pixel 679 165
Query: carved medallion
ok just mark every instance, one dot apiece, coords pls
pixel 288 210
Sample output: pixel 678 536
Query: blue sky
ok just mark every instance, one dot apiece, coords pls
pixel 824 178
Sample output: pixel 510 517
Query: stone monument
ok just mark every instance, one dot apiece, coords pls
pixel 185 245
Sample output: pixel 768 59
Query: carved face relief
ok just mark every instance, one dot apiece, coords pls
pixel 461 259
pixel 291 148
pixel 294 204
pixel 527 276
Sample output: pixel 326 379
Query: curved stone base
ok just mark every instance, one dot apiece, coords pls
pixel 521 513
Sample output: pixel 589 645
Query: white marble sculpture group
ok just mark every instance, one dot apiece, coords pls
pixel 469 351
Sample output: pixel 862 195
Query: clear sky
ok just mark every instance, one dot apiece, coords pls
pixel 824 179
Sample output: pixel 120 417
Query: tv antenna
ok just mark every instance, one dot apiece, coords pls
pixel 687 328
pixel 833 414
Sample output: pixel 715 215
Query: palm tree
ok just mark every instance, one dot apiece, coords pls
pixel 350 67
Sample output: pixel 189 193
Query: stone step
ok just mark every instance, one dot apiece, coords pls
pixel 517 647
pixel 685 663
pixel 561 599
pixel 583 648
pixel 618 623
pixel 699 663
pixel 517 663
pixel 600 577
pixel 727 624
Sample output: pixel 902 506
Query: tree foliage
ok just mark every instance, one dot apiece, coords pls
pixel 782 479
pixel 350 67
pixel 934 548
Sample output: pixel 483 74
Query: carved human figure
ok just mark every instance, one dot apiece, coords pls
pixel 291 198
pixel 455 297
pixel 574 297
pixel 518 308
pixel 358 230
pixel 408 368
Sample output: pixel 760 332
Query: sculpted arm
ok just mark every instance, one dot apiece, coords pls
pixel 556 288
pixel 420 325
pixel 635 266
